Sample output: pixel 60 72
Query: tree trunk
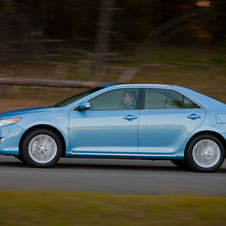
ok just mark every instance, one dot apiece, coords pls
pixel 103 36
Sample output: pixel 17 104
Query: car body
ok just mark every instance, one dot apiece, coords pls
pixel 161 122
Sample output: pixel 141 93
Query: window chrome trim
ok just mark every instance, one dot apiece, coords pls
pixel 158 109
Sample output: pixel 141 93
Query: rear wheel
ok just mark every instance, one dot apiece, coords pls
pixel 41 148
pixel 205 153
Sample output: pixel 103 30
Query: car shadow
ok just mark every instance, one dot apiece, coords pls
pixel 64 166
pixel 107 166
pixel 129 167
pixel 119 167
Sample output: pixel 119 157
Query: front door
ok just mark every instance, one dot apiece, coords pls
pixel 109 126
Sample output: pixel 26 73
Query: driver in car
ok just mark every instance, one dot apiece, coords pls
pixel 129 99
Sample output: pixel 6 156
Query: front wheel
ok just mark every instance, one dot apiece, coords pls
pixel 41 148
pixel 205 153
pixel 180 163
pixel 20 157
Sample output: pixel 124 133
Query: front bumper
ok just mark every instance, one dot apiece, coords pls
pixel 10 136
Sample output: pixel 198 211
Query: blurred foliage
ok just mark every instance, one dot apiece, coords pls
pixel 218 22
pixel 65 31
pixel 200 69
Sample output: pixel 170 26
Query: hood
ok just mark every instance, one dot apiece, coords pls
pixel 27 111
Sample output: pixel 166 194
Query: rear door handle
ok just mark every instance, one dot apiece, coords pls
pixel 194 116
pixel 130 117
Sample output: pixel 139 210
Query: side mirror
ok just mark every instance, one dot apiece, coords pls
pixel 84 106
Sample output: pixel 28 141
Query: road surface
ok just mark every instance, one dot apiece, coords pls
pixel 111 176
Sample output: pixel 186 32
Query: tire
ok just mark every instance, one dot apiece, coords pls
pixel 41 148
pixel 20 157
pixel 180 163
pixel 205 153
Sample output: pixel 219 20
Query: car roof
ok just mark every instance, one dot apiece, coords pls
pixel 139 85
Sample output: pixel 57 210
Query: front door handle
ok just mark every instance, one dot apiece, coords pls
pixel 130 117
pixel 194 116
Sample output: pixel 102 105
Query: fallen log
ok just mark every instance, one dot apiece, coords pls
pixel 49 83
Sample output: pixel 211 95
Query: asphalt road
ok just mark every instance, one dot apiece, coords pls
pixel 111 176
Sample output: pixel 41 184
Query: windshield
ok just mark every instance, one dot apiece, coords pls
pixel 72 99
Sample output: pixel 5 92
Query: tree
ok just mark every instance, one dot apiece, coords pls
pixel 103 35
pixel 218 21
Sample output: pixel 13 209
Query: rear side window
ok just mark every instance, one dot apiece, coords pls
pixel 166 99
pixel 189 104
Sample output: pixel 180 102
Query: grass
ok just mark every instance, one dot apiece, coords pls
pixel 58 208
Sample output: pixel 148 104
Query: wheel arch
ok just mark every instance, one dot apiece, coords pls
pixel 44 127
pixel 219 136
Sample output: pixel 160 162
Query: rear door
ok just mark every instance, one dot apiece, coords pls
pixel 166 120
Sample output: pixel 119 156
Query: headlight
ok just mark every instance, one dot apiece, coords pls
pixel 8 121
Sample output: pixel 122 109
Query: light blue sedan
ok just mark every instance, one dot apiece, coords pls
pixel 135 121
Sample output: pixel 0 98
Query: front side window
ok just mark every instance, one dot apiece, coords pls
pixel 166 99
pixel 119 99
